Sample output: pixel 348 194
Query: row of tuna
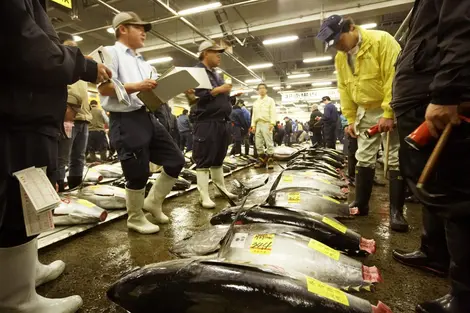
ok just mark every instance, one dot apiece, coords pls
pixel 288 253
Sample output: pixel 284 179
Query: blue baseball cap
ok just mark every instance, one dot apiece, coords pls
pixel 330 30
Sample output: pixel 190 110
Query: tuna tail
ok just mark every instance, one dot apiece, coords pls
pixel 381 308
pixel 367 245
pixel 354 289
pixel 371 274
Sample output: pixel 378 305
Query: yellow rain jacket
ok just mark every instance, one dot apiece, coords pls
pixel 370 86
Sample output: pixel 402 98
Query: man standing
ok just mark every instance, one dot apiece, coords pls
pixel 135 133
pixel 432 86
pixel 240 128
pixel 32 106
pixel 97 141
pixel 186 133
pixel 247 116
pixel 315 126
pixel 330 121
pixel 263 122
pixel 365 64
pixel 288 131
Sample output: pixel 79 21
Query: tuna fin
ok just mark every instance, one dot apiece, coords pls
pixel 381 308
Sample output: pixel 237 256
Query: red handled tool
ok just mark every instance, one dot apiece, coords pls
pixel 371 132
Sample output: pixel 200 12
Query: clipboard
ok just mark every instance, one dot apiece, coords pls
pixel 169 86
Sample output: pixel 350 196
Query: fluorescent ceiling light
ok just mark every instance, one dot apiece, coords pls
pixel 160 60
pixel 369 26
pixel 77 38
pixel 298 76
pixel 201 8
pixel 277 88
pixel 319 59
pixel 301 83
pixel 280 40
pixel 110 30
pixel 320 84
pixel 259 66
pixel 249 81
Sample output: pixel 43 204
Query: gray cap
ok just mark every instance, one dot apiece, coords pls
pixel 130 18
pixel 209 45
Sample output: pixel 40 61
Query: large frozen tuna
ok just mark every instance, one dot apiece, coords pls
pixel 109 170
pixel 194 286
pixel 304 179
pixel 73 211
pixel 284 153
pixel 316 165
pixel 299 253
pixel 104 196
pixel 308 199
pixel 324 229
pixel 91 175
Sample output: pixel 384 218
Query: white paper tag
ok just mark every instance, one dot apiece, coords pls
pixel 35 223
pixel 38 188
pixel 238 240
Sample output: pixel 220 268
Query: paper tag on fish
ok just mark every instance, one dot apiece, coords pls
pixel 335 224
pixel 288 178
pixel 293 197
pixel 331 199
pixel 85 203
pixel 262 244
pixel 239 240
pixel 322 248
pixel 326 291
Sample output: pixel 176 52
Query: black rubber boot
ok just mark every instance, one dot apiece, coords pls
pixel 262 160
pixel 364 182
pixel 447 304
pixel 74 181
pixel 270 162
pixel 61 185
pixel 103 156
pixel 397 202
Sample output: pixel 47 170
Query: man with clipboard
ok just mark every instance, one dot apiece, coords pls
pixel 135 133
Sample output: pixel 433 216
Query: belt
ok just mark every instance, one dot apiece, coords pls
pixel 80 122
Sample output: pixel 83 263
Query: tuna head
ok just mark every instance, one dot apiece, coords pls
pixel 226 216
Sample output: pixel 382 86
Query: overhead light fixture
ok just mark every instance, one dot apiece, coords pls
pixel 201 8
pixel 259 66
pixel 77 38
pixel 369 26
pixel 319 59
pixel 277 88
pixel 298 76
pixel 160 60
pixel 251 81
pixel 275 41
pixel 288 86
pixel 301 83
pixel 111 30
pixel 321 84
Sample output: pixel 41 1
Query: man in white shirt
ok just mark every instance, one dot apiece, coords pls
pixel 135 133
pixel 262 123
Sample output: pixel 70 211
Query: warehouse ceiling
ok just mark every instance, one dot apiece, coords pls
pixel 243 24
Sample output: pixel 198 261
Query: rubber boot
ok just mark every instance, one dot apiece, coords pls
pixel 47 273
pixel 217 175
pixel 154 201
pixel 203 187
pixel 18 277
pixel 397 202
pixel 61 185
pixel 364 182
pixel 270 162
pixel 136 219
pixel 74 181
pixel 261 161
pixel 103 156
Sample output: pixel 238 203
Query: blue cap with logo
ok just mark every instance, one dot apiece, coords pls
pixel 330 30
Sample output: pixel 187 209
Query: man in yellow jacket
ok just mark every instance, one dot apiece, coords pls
pixel 365 65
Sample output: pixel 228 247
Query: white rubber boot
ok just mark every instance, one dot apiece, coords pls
pixel 154 201
pixel 217 174
pixel 17 287
pixel 203 187
pixel 47 273
pixel 136 219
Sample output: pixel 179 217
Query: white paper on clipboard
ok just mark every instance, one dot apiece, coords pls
pixel 198 73
pixel 100 55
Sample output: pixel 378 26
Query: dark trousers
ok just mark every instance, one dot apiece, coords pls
pixel 443 230
pixel 186 141
pixel 211 140
pixel 352 148
pixel 317 139
pixel 287 139
pixel 21 150
pixel 97 142
pixel 140 138
pixel 237 137
pixel 329 132
pixel 246 143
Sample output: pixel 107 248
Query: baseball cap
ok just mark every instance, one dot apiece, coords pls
pixel 209 45
pixel 330 30
pixel 130 18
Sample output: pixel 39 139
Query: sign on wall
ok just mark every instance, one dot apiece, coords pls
pixel 311 96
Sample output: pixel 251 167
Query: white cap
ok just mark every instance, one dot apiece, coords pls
pixel 209 45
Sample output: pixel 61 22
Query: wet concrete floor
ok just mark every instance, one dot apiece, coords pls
pixel 97 258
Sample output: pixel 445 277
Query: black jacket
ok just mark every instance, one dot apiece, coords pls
pixel 434 65
pixel 239 120
pixel 36 69
pixel 314 125
pixel 288 127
